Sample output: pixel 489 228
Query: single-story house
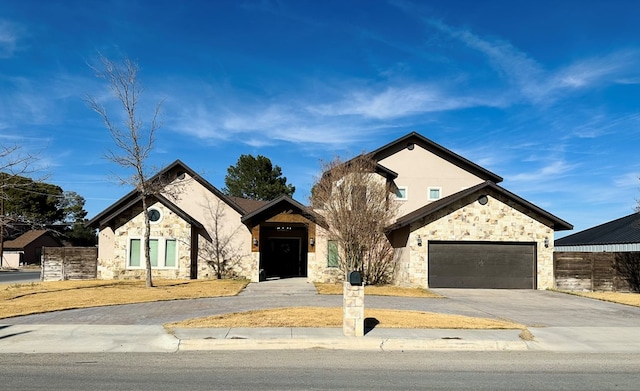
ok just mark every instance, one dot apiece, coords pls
pixel 26 249
pixel 456 227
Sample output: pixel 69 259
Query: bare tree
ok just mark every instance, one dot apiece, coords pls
pixel 357 204
pixel 132 137
pixel 222 253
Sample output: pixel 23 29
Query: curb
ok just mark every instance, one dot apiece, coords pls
pixel 368 344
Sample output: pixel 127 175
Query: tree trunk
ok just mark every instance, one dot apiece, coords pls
pixel 147 245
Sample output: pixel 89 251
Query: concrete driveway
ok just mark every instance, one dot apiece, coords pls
pixel 529 307
pixel 540 308
pixel 559 322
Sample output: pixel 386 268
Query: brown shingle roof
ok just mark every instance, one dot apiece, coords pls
pixel 247 204
pixel 25 239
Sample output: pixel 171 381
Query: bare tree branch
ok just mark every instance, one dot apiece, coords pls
pixel 133 140
pixel 357 205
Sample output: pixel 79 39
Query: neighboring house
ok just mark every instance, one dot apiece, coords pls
pixel 27 248
pixel 619 235
pixel 456 227
pixel 584 260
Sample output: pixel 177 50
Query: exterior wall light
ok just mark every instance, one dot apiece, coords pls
pixel 312 242
pixel 546 242
pixel 419 240
pixel 255 241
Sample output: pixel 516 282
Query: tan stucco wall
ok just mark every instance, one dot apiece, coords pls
pixel 419 169
pixel 467 220
pixel 193 198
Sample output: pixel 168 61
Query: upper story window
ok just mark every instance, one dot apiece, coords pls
pixel 402 193
pixel 434 193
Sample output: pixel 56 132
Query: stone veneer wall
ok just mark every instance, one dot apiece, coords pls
pixel 317 270
pixel 245 267
pixel 497 221
pixel 129 226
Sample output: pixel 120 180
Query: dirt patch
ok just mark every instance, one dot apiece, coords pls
pixel 332 317
pixel 375 290
pixel 39 297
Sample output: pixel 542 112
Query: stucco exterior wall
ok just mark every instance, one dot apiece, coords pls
pixel 467 220
pixel 419 169
pixel 204 206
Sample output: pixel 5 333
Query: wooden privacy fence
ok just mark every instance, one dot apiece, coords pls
pixel 582 271
pixel 69 263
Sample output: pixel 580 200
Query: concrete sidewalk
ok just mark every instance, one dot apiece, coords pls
pixel 121 338
pixel 128 338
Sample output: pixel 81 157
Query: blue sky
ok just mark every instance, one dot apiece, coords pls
pixel 544 93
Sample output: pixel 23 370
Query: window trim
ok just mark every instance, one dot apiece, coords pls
pixel 161 253
pixel 429 189
pixel 406 193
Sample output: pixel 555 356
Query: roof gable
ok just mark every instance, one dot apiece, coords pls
pixel 172 171
pixel 414 138
pixel 284 201
pixel 430 209
pixel 27 238
pixel 619 231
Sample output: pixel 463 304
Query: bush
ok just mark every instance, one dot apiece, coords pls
pixel 628 267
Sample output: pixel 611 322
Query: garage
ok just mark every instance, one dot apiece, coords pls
pixel 502 265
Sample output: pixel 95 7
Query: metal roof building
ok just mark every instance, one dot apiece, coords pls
pixel 620 235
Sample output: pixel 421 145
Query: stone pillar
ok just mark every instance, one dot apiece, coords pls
pixel 353 310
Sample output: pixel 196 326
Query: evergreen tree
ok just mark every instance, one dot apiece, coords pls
pixel 257 179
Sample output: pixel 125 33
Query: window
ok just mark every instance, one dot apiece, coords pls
pixel 135 252
pixel 154 215
pixel 401 193
pixel 163 253
pixel 434 193
pixel 332 254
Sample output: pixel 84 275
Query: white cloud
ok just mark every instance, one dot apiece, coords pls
pixel 393 102
pixel 9 35
pixel 549 172
pixel 538 85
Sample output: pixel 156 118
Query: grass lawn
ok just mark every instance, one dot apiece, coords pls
pixel 614 297
pixel 33 298
pixel 332 317
pixel 374 290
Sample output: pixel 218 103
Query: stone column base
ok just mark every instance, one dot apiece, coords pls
pixel 353 310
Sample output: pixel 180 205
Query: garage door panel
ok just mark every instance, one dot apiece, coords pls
pixel 482 265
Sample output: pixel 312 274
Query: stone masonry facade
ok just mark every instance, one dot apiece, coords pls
pixel 130 227
pixel 500 220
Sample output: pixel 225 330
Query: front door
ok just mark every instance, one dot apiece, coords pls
pixel 283 258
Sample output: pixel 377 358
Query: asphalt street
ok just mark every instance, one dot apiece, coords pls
pixel 321 370
pixel 15 277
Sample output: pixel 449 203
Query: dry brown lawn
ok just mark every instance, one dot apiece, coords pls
pixel 33 298
pixel 614 297
pixel 375 290
pixel 332 317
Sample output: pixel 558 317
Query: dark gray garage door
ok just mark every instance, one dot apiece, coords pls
pixel 482 265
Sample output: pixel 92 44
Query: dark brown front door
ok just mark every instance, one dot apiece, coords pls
pixel 283 258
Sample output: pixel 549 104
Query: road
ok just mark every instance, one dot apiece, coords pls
pixel 19 277
pixel 321 370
